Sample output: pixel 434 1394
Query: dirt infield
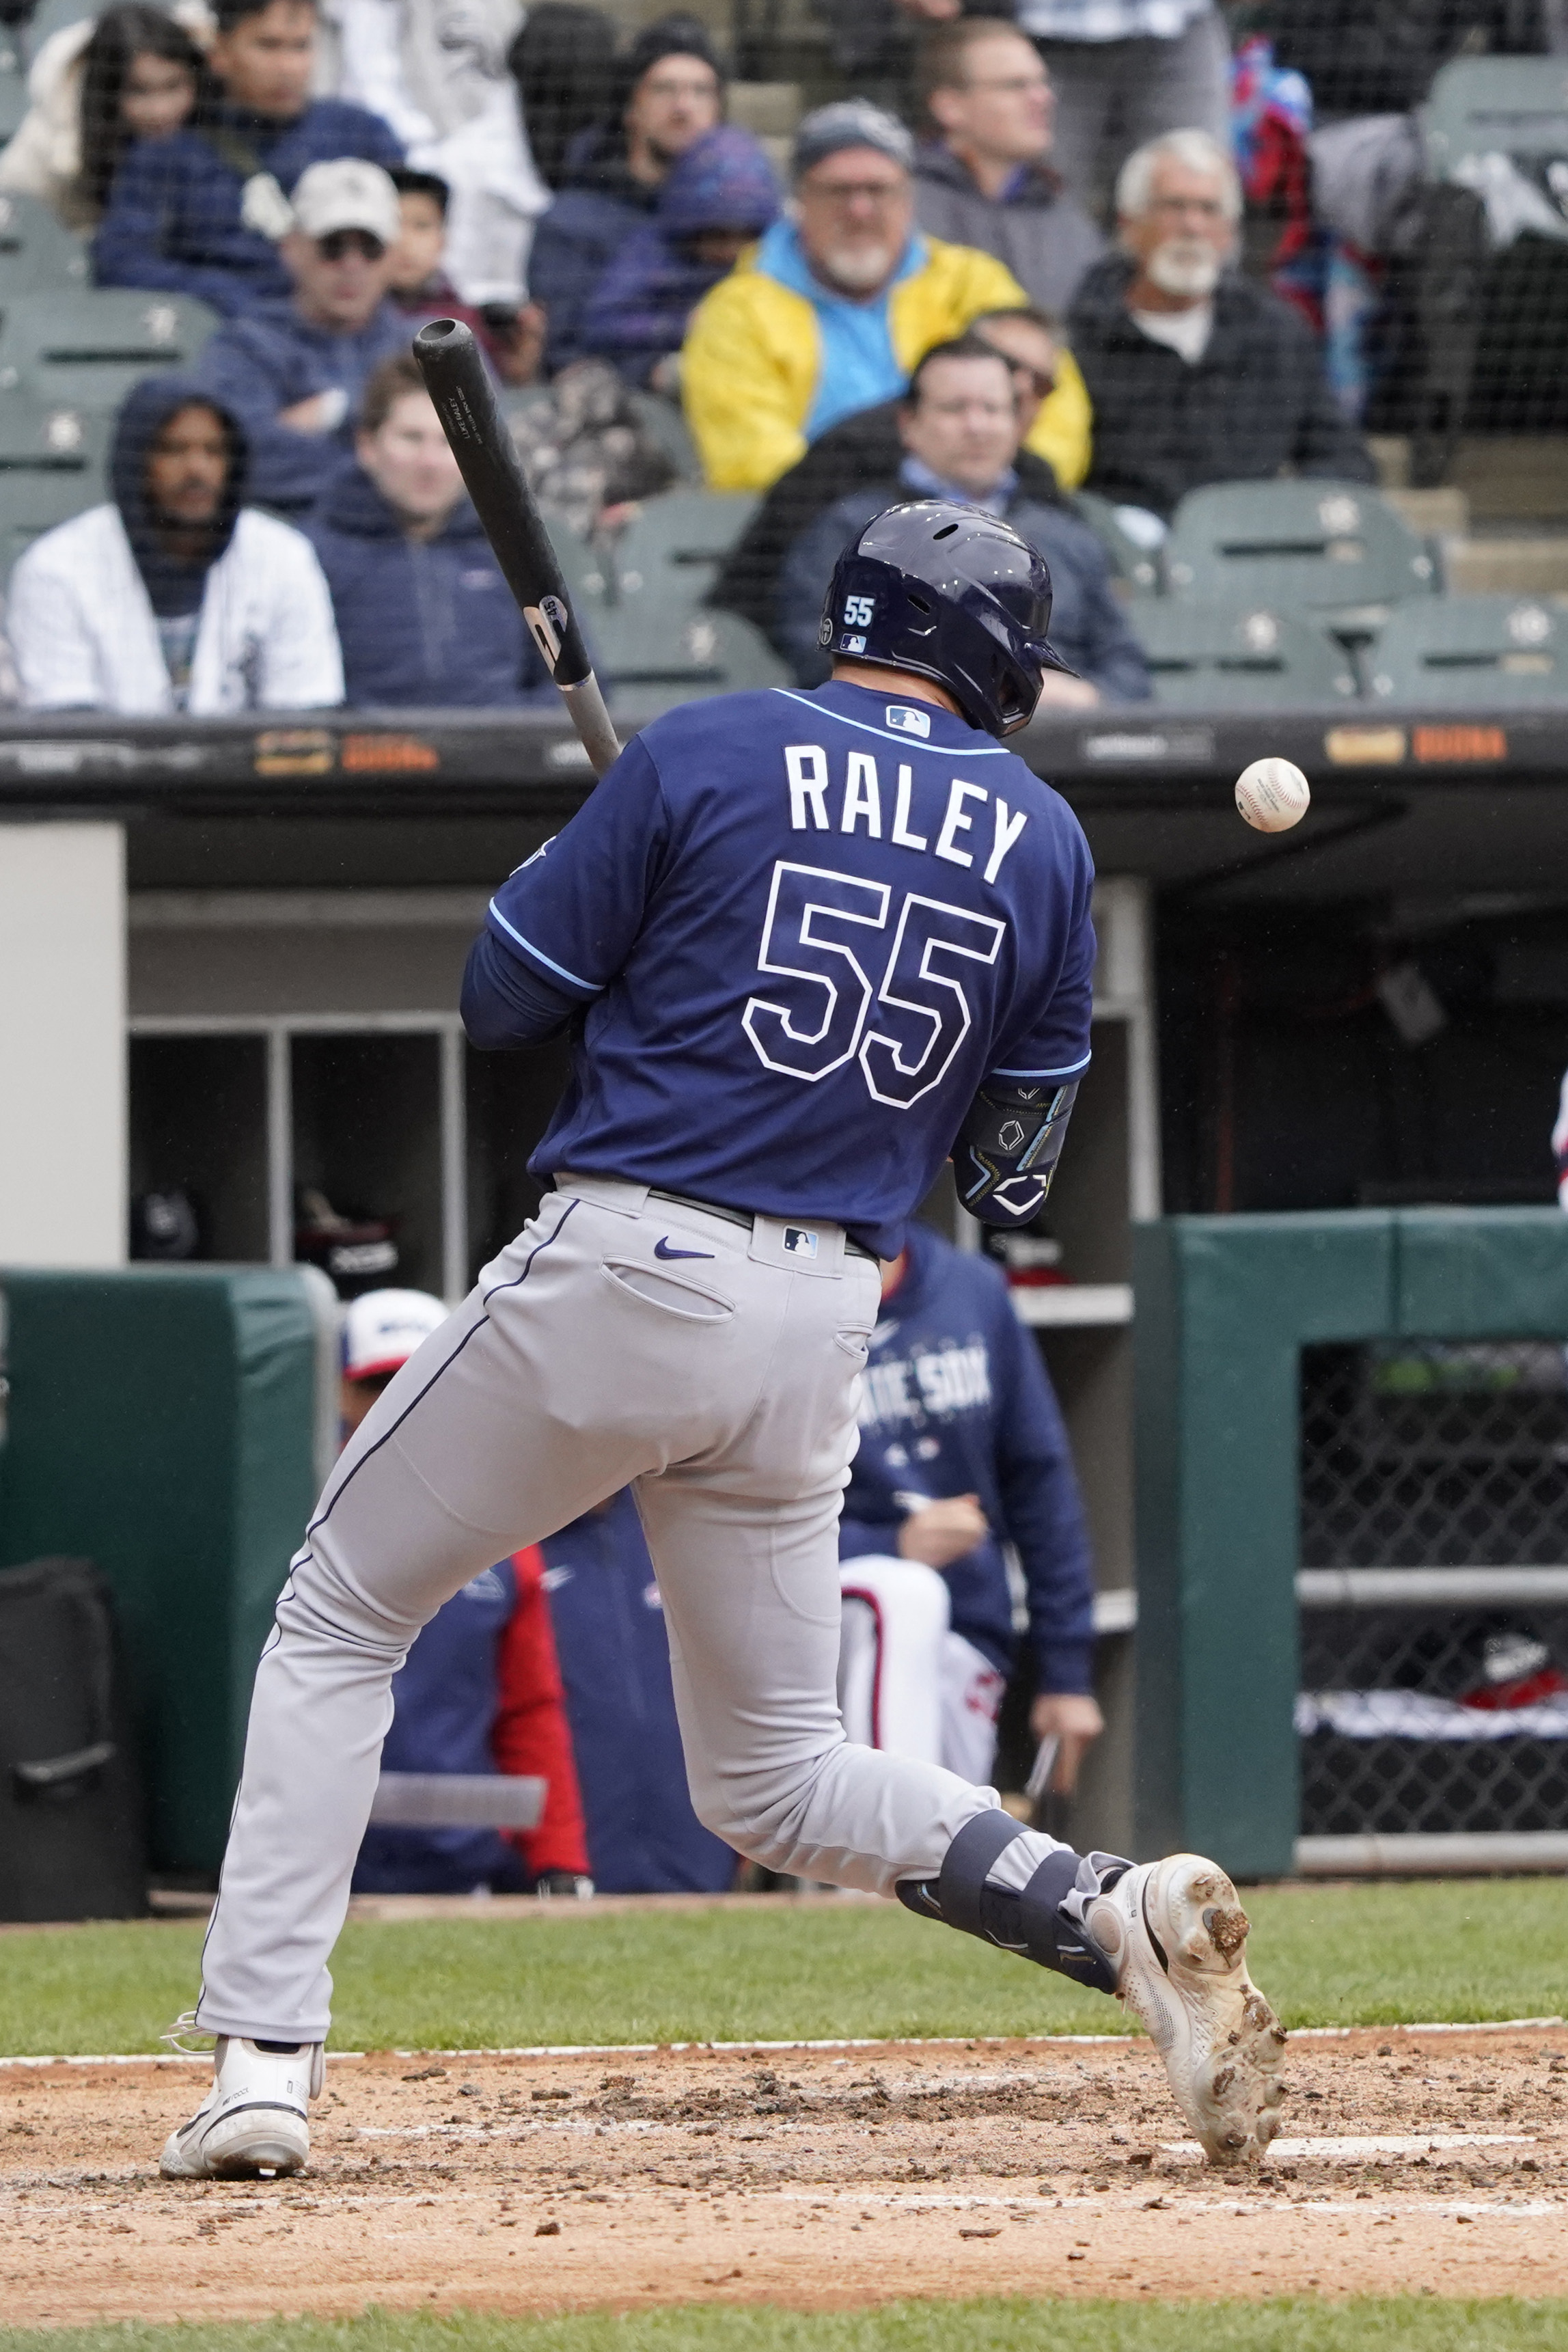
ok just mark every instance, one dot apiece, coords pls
pixel 1415 2161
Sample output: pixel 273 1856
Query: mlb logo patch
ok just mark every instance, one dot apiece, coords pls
pixel 904 721
pixel 798 1243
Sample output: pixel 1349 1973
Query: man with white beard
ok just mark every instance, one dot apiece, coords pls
pixel 827 314
pixel 1196 374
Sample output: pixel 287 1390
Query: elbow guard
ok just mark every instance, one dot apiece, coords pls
pixel 1008 1148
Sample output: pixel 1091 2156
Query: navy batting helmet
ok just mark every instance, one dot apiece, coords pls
pixel 953 594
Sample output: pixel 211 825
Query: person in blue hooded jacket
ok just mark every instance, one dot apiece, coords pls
pixel 670 91
pixel 962 1451
pixel 425 616
pixel 717 198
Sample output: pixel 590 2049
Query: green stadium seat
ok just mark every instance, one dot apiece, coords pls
pixel 34 501
pixel 1215 656
pixel 665 425
pixel 653 661
pixel 53 16
pixel 13 83
pixel 1335 548
pixel 37 255
pixel 669 554
pixel 1457 649
pixel 36 438
pixel 86 350
pixel 1494 106
pixel 1141 567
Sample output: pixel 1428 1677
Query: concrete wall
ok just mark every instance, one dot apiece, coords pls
pixel 62 1045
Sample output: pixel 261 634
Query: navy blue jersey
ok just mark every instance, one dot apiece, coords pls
pixel 805 928
pixel 958 1401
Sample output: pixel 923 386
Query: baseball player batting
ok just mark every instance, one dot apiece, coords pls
pixel 811 946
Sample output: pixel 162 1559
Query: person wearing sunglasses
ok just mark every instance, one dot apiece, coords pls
pixel 985 178
pixel 294 371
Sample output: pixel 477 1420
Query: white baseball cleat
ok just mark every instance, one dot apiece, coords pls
pixel 1176 1936
pixel 252 2124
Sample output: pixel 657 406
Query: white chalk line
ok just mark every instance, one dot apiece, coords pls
pixel 861 2042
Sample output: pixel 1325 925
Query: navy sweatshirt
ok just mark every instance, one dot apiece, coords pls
pixel 422 621
pixel 958 1401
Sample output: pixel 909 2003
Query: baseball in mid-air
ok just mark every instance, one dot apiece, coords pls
pixel 1272 794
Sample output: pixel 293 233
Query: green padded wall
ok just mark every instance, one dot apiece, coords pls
pixel 1224 1305
pixel 163 1422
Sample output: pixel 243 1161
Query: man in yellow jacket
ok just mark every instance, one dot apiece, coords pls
pixel 829 312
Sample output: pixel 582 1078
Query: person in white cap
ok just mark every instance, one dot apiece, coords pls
pixel 382 1328
pixel 294 371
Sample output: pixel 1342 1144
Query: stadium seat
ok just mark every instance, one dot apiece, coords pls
pixel 665 426
pixel 1456 649
pixel 37 255
pixel 1140 566
pixel 669 554
pixel 32 502
pixel 53 16
pixel 1493 106
pixel 1212 656
pixel 1335 548
pixel 37 438
pixel 653 661
pixel 86 350
pixel 13 82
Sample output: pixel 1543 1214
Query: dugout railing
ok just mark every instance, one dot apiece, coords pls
pixel 1351 1445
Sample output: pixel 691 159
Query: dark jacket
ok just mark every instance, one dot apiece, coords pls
pixel 173 216
pixel 264 363
pixel 1041 234
pixel 1088 626
pixel 173 586
pixel 422 622
pixel 598 208
pixel 643 1837
pixel 1004 1441
pixel 864 447
pixel 637 312
pixel 1255 405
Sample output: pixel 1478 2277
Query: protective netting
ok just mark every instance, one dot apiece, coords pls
pixel 1448 1711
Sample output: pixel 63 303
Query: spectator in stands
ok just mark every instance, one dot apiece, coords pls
pixel 1124 72
pixel 717 198
pixel 176 596
pixel 563 62
pixel 479 1693
pixel 93 88
pixel 642 1836
pixel 1196 374
pixel 436 72
pixel 202 213
pixel 673 92
pixel 1052 416
pixel 423 613
pixel 985 179
pixel 513 334
pixel 833 308
pixel 959 427
pixel 296 371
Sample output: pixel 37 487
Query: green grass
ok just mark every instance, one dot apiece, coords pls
pixel 1326 1956
pixel 1365 2324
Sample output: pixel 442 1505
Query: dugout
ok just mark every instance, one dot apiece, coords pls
pixel 229 952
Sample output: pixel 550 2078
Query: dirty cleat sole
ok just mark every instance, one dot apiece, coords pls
pixel 1176 1936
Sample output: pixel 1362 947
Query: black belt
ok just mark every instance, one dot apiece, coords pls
pixel 741 1217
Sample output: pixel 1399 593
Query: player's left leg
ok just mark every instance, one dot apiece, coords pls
pixel 745 1543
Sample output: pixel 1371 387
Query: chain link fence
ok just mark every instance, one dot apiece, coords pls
pixel 1434 1588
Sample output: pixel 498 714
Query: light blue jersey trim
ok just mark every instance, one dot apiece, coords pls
pixel 911 743
pixel 1071 1072
pixel 589 987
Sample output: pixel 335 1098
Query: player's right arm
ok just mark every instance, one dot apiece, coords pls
pixel 559 929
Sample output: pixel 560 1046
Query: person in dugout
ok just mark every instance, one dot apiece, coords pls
pixel 480 1690
pixel 962 1452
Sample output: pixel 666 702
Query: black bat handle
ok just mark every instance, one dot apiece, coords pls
pixel 459 384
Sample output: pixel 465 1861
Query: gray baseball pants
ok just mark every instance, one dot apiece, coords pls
pixel 723 1385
